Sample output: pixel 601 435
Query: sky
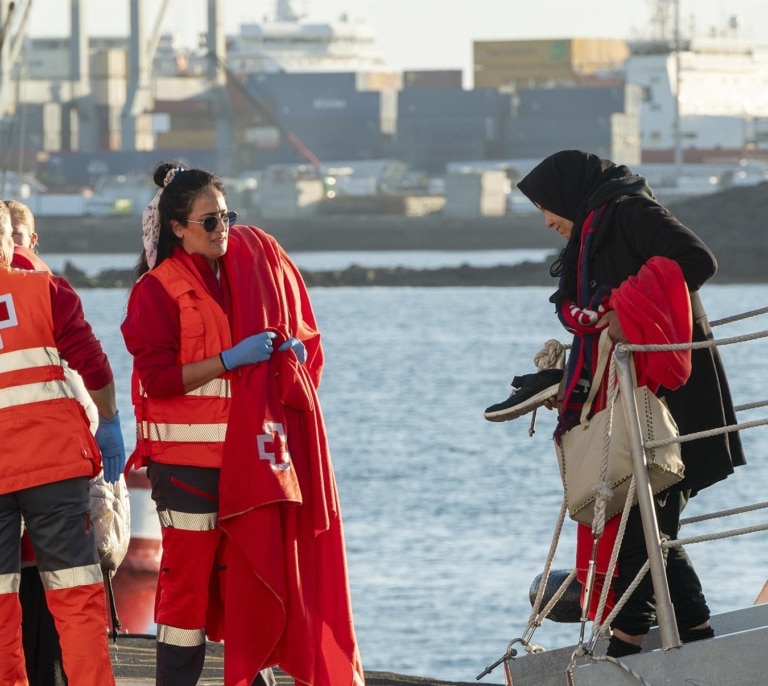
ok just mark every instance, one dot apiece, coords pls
pixel 427 34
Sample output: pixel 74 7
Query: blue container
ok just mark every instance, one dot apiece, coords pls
pixel 339 138
pixel 82 169
pixel 434 159
pixel 416 103
pixel 537 137
pixel 437 130
pixel 322 105
pixel 576 101
pixel 276 85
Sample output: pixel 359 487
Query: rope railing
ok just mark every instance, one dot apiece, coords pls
pixel 600 627
pixel 732 533
pixel 665 612
pixel 694 345
pixel 687 438
pixel 723 513
pixel 739 317
pixel 750 406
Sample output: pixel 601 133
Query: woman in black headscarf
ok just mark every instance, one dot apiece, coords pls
pixel 614 227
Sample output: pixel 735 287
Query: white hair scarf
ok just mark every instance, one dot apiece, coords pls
pixel 150 220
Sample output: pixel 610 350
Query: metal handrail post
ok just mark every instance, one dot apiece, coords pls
pixel 665 613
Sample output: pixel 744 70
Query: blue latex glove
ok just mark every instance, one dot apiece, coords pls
pixel 109 438
pixel 256 348
pixel 298 348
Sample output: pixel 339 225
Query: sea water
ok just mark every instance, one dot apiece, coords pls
pixel 448 517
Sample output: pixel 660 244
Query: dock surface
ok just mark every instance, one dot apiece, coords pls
pixel 133 659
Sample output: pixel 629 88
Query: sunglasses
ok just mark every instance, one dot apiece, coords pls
pixel 210 223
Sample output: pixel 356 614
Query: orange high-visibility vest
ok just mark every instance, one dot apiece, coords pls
pixel 43 428
pixel 187 429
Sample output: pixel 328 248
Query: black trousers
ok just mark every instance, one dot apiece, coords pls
pixel 639 613
pixel 38 633
pixel 54 515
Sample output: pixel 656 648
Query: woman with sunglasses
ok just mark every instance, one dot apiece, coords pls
pixel 227 360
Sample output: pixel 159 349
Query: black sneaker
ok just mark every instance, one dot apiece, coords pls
pixel 529 392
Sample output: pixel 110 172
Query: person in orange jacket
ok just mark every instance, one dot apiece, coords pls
pixel 49 455
pixel 42 652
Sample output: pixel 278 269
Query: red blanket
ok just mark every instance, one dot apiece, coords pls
pixel 654 308
pixel 287 595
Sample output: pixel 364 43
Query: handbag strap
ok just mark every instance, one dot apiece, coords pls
pixel 604 348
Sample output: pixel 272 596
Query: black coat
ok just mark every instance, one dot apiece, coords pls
pixel 631 231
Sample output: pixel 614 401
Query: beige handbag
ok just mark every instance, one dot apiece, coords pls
pixel 580 454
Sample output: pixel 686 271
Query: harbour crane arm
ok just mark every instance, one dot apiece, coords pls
pixel 301 148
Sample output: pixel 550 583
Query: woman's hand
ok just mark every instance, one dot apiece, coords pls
pixel 610 320
pixel 552 403
pixel 251 350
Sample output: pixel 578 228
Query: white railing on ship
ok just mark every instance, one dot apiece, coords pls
pixel 665 613
pixel 668 632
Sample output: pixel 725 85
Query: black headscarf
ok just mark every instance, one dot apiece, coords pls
pixel 572 183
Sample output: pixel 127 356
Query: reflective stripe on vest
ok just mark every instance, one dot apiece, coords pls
pixel 29 358
pixel 34 393
pixel 184 433
pixel 190 433
pixel 72 577
pixel 32 376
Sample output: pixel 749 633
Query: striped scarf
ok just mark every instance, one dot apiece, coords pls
pixel 581 317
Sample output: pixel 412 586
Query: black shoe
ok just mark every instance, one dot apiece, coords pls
pixel 530 391
pixel 619 648
pixel 691 635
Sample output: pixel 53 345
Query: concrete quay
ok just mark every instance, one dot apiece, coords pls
pixel 133 660
pixel 122 234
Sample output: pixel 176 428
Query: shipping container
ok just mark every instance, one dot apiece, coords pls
pixel 364 105
pixel 379 81
pixel 528 63
pixel 446 102
pixel 432 155
pixel 338 138
pixel 279 84
pixel 437 129
pixel 578 101
pixel 201 139
pixel 82 169
pixel 432 78
pixel 540 136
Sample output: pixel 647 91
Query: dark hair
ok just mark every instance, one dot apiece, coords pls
pixel 176 202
